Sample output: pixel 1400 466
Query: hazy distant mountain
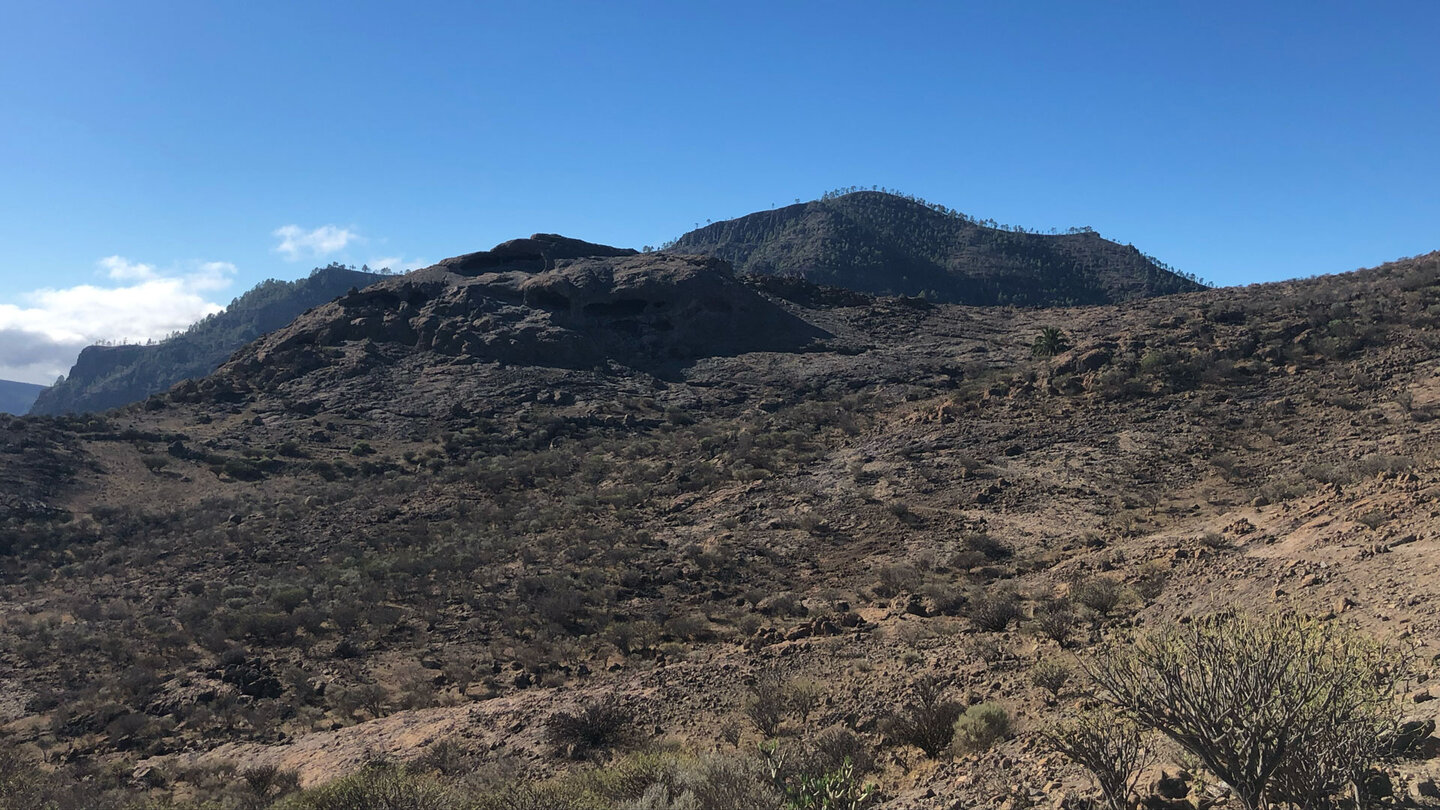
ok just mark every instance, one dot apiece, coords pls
pixel 17 397
pixel 110 376
pixel 889 244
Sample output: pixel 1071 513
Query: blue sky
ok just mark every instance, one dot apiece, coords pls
pixel 159 158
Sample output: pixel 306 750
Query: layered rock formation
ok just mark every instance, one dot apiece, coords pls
pixel 543 301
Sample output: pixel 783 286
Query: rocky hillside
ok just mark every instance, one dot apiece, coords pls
pixel 891 245
pixel 864 241
pixel 546 301
pixel 110 376
pixel 17 397
pixel 560 525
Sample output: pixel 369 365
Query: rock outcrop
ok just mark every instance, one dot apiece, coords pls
pixel 535 302
pixel 539 252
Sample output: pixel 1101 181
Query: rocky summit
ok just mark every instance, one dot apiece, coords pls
pixel 542 301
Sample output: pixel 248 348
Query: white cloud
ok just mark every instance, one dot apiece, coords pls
pixel 42 334
pixel 297 243
pixel 397 263
pixel 212 276
pixel 120 268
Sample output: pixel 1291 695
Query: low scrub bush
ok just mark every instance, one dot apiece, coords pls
pixel 1101 594
pixel 980 727
pixel 993 610
pixel 927 719
pixel 596 726
pixel 1051 674
pixel 1281 709
pixel 1055 619
pixel 378 788
pixel 773 697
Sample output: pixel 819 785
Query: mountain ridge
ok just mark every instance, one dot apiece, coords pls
pixel 17 397
pixel 110 376
pixel 870 242
pixel 884 243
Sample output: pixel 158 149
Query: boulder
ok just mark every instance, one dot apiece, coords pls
pixel 1082 360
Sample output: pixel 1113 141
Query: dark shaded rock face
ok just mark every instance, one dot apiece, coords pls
pixel 540 252
pixel 638 310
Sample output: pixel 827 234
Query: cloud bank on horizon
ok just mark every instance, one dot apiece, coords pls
pixel 41 336
pixel 43 331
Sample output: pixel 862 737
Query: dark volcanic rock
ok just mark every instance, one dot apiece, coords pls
pixel 540 252
pixel 38 462
pixel 639 310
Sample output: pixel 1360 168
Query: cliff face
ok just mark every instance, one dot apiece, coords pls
pixel 107 377
pixel 885 244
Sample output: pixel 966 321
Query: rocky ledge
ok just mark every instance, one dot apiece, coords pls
pixel 542 301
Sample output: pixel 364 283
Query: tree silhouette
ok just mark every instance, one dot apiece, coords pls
pixel 1050 342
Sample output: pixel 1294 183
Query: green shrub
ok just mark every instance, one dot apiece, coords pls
pixel 833 790
pixel 989 547
pixel 980 727
pixel 377 788
pixel 266 782
pixel 729 783
pixel 242 470
pixel 659 797
pixel 1051 674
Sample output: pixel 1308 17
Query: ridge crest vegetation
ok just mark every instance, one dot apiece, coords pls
pixel 888 243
